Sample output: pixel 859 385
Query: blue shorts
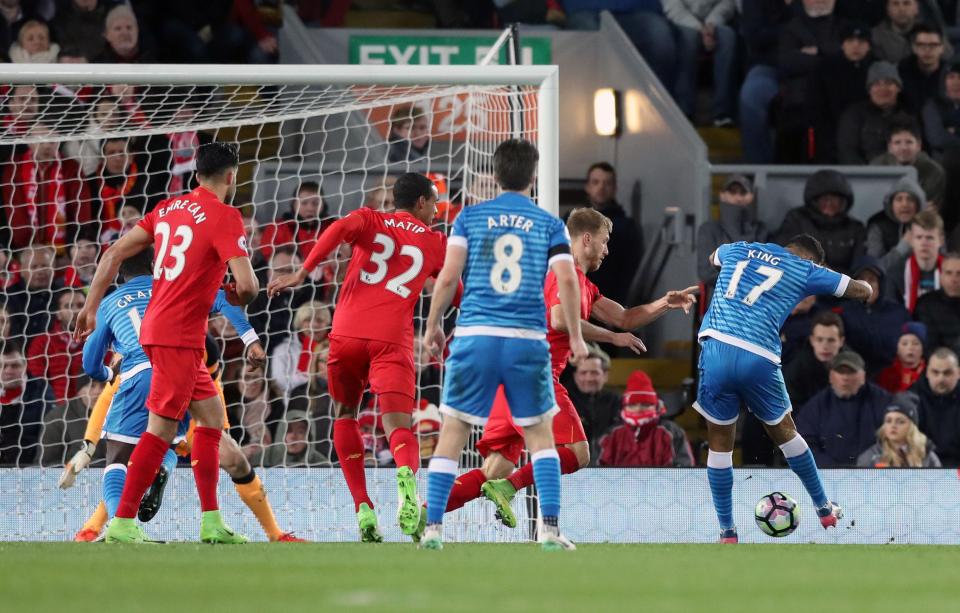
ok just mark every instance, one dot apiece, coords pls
pixel 479 364
pixel 730 376
pixel 127 416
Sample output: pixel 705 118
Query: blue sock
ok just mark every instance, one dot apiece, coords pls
pixel 800 459
pixel 114 476
pixel 442 474
pixel 546 476
pixel 720 476
pixel 170 461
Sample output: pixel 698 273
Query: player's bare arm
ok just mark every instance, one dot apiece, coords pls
pixel 569 290
pixel 131 243
pixel 858 290
pixel 612 313
pixel 593 332
pixel 443 292
pixel 245 286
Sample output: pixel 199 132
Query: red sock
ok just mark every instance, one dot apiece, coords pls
pixel 405 448
pixel 141 469
pixel 523 477
pixel 205 459
pixel 349 446
pixel 465 489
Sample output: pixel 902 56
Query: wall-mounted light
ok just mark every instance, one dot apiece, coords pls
pixel 606 112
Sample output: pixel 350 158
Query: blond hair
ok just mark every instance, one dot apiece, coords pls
pixel 585 220
pixel 307 310
pixel 916 449
pixel 928 219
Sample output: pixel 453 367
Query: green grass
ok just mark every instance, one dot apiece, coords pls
pixel 468 577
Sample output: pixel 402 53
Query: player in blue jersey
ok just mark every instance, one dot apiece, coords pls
pixel 503 249
pixel 758 287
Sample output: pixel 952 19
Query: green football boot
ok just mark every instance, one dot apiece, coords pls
pixel 500 492
pixel 416 536
pixel 215 531
pixel 127 530
pixel 408 507
pixel 367 519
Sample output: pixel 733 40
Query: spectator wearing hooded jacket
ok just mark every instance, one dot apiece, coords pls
pixel 887 229
pixel 828 198
pixel 643 440
pixel 904 148
pixel 873 327
pixel 840 422
pixel 941 114
pixel 939 405
pixel 862 130
pixel 900 443
pixel 911 276
pixel 908 366
pixel 940 309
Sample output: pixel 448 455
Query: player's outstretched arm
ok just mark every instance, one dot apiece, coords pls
pixel 245 286
pixel 130 244
pixel 569 290
pixel 593 332
pixel 858 290
pixel 342 230
pixel 443 292
pixel 612 313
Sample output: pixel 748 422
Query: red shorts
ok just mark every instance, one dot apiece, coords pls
pixel 387 366
pixel 503 436
pixel 179 377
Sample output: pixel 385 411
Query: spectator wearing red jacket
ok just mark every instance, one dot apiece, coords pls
pixel 641 440
pixel 54 356
pixel 44 198
pixel 908 366
pixel 302 226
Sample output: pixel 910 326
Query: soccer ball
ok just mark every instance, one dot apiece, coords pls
pixel 777 514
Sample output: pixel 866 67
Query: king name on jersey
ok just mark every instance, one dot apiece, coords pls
pixel 763 256
pixel 401 224
pixel 193 208
pixel 509 221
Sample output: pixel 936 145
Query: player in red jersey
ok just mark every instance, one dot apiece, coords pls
pixel 502 441
pixel 372 337
pixel 196 237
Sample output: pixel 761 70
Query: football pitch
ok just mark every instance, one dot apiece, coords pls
pixel 473 577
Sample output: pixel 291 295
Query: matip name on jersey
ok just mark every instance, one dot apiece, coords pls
pixel 126 299
pixel 510 221
pixel 410 226
pixel 193 208
pixel 763 256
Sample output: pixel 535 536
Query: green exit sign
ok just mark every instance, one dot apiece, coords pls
pixel 440 50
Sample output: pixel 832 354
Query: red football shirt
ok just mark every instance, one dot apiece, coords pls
pixel 393 256
pixel 194 236
pixel 560 341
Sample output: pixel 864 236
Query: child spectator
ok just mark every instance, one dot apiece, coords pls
pixel 55 356
pixel 409 136
pixel 908 366
pixel 900 443
pixel 904 149
pixel 642 440
pixel 913 275
pixel 33 44
pixel 888 228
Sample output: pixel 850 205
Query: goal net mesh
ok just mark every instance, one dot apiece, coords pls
pixel 81 165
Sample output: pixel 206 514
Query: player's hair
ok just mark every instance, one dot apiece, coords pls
pixel 137 265
pixel 928 219
pixel 586 220
pixel 827 319
pixel 514 164
pixel 217 158
pixel 808 245
pixel 945 353
pixel 924 28
pixel 605 167
pixel 409 188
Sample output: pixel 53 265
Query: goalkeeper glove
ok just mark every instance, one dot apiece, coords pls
pixel 78 462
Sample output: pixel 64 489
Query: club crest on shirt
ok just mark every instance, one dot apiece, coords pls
pixel 242 243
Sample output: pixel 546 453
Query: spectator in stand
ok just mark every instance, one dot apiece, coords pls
pixel 795 331
pixel 23 109
pixel 701 26
pixel 900 443
pixel 11 13
pixel 216 32
pixel 409 136
pixel 812 34
pixel 626 241
pixel 172 158
pixel 904 149
pixel 872 328
pixel 807 373
pixel 272 315
pixel 29 300
pixel 120 181
pixel 55 356
pixel 253 396
pixel 598 407
pixel 124 43
pixel 917 272
pixel 940 309
pixel 840 422
pixel 941 114
pixel 44 198
pixel 939 405
pixel 737 222
pixel 922 72
pixel 33 44
pixel 65 424
pixel 293 361
pixel 303 225
pixel 83 263
pixel 761 22
pixel 104 115
pixel 293 447
pixel 828 199
pixel 130 216
pixel 251 228
pixel 79 25
pixel 891 37
pixel 862 131
pixel 888 228
pixel 6 328
pixel 380 196
pixel 23 403
pixel 642 440
pixel 840 82
pixel 908 366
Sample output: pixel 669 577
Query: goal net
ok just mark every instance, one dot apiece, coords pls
pixel 86 151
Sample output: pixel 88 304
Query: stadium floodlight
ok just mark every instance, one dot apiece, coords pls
pixel 606 112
